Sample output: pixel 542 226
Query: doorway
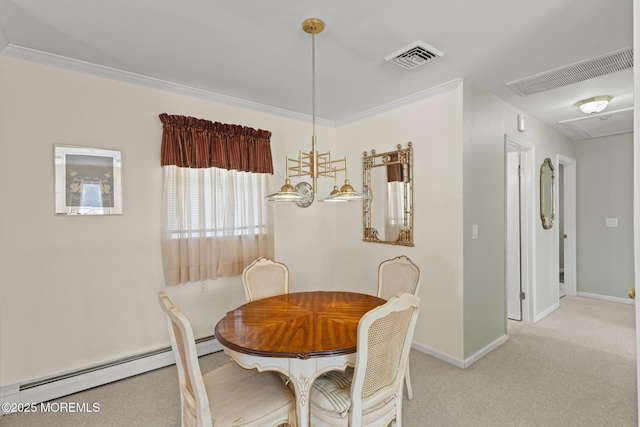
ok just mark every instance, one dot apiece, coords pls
pixel 566 225
pixel 519 229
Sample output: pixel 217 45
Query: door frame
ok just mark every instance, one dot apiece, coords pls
pixel 513 276
pixel 636 187
pixel 527 224
pixel 569 218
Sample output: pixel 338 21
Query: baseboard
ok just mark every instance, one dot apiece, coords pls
pixel 462 363
pixel 606 298
pixel 437 355
pixel 54 387
pixel 538 317
pixel 485 350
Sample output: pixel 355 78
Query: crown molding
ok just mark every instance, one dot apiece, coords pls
pixel 418 96
pixel 41 57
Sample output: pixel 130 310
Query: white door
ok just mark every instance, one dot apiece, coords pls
pixel 513 274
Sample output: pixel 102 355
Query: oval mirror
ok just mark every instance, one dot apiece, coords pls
pixel 547 194
pixel 388 211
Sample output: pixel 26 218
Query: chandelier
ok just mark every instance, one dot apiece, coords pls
pixel 314 164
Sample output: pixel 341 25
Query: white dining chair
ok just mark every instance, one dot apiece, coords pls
pixel 228 395
pixel 371 394
pixel 396 275
pixel 265 278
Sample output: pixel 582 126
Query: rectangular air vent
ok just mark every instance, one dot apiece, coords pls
pixel 414 55
pixel 574 73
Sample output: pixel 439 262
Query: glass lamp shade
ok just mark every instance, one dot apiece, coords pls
pixel 346 194
pixel 593 105
pixel 287 194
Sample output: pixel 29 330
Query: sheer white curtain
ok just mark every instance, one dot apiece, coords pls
pixel 215 219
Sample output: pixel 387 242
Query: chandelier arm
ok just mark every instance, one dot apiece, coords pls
pixel 286 170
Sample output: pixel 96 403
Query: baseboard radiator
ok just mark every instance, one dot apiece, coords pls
pixel 56 386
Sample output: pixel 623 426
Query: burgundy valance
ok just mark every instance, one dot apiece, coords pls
pixel 196 143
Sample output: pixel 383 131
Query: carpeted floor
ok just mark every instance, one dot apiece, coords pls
pixel 577 367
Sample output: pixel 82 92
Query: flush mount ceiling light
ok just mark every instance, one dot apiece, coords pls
pixel 593 105
pixel 314 164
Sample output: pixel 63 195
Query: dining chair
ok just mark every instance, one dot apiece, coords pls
pixel 265 278
pixel 370 394
pixel 395 275
pixel 228 395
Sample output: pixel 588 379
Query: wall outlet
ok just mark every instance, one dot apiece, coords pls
pixel 474 231
pixel 611 222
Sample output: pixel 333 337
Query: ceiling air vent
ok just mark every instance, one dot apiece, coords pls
pixel 574 73
pixel 414 55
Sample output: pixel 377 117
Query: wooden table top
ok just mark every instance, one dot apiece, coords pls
pixel 297 325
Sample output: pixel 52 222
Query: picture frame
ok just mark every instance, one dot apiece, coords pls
pixel 88 181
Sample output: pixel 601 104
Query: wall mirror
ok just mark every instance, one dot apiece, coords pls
pixel 547 193
pixel 388 183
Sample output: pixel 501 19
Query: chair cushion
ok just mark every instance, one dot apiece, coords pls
pixel 237 396
pixel 331 391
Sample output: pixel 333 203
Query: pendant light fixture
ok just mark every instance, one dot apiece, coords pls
pixel 314 164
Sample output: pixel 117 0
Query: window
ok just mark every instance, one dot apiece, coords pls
pixel 215 219
pixel 215 202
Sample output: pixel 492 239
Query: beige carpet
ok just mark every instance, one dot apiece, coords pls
pixel 574 368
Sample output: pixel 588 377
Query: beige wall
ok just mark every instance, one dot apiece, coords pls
pixel 76 291
pixel 434 126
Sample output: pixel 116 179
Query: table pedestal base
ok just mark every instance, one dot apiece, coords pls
pixel 301 372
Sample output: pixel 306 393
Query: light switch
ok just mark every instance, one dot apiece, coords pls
pixel 474 231
pixel 611 222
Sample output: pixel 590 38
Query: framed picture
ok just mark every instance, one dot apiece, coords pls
pixel 88 181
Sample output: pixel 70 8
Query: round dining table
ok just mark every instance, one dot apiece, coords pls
pixel 300 335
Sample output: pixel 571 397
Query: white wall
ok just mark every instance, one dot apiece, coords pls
pixel 77 291
pixel 434 126
pixel 605 190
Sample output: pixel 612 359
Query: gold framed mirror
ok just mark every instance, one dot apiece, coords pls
pixel 547 194
pixel 388 182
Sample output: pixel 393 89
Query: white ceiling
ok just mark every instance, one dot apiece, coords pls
pixel 257 51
